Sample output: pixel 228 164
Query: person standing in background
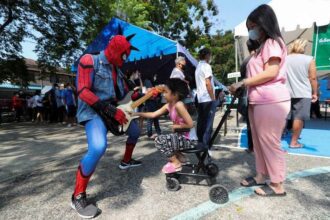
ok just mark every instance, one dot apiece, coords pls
pixel 60 103
pixel 315 108
pixel 243 101
pixel 136 78
pixel 178 71
pixel 302 84
pixel 205 96
pixel 152 106
pixel 37 99
pixel 17 106
pixel 46 107
pixel 29 104
pixel 70 103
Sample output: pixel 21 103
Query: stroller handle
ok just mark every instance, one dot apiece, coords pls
pixel 237 94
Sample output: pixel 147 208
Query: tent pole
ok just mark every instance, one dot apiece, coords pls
pixel 316 39
pixel 236 61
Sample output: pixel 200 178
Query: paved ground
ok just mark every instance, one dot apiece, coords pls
pixel 38 164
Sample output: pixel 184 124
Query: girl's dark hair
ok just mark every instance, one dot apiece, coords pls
pixel 264 16
pixel 203 53
pixel 179 87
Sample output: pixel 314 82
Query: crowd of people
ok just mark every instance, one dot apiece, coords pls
pixel 58 105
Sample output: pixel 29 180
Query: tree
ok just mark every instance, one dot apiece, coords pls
pixel 15 70
pixel 52 24
pixel 97 15
pixel 182 20
pixel 223 49
pixel 62 29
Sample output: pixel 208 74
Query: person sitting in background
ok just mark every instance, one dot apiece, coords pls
pixel 302 84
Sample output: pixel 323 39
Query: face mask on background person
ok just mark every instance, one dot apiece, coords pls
pixel 254 34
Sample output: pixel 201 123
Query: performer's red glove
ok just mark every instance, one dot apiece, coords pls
pixel 120 117
pixel 106 111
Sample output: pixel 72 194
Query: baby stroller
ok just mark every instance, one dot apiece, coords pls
pixel 205 168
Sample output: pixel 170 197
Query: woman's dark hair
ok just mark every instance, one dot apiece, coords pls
pixel 264 16
pixel 203 53
pixel 252 45
pixel 179 87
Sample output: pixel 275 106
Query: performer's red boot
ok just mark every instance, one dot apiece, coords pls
pixel 79 200
pixel 127 161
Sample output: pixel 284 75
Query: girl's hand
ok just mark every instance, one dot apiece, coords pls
pixel 131 113
pixel 175 127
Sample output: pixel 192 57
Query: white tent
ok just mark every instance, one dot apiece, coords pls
pixel 296 19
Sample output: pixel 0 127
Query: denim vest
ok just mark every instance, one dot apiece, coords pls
pixel 102 86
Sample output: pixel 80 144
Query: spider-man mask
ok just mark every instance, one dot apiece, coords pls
pixel 118 50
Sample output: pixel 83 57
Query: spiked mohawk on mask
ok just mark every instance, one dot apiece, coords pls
pixel 119 48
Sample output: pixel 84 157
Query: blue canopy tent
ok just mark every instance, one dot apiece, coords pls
pixel 156 55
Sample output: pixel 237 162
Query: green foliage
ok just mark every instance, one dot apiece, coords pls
pixel 63 29
pixel 96 16
pixel 14 69
pixel 52 24
pixel 223 50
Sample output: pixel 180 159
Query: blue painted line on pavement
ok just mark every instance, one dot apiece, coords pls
pixel 208 207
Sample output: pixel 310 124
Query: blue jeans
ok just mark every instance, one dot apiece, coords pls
pixel 206 113
pixel 96 133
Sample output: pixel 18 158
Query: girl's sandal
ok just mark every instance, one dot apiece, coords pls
pixel 170 168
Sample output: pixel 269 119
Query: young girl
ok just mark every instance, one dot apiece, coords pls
pixel 170 144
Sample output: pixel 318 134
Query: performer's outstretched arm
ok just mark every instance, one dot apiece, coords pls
pixel 85 79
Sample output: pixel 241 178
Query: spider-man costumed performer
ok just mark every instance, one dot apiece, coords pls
pixel 100 86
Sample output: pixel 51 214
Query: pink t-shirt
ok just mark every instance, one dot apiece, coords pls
pixel 176 119
pixel 272 91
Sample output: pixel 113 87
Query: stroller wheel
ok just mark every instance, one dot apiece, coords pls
pixel 212 169
pixel 218 194
pixel 172 184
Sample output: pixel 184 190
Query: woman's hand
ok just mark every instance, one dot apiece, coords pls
pixel 233 87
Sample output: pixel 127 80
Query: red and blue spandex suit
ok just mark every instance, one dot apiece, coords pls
pixel 99 89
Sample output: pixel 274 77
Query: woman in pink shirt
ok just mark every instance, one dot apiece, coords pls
pixel 269 101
